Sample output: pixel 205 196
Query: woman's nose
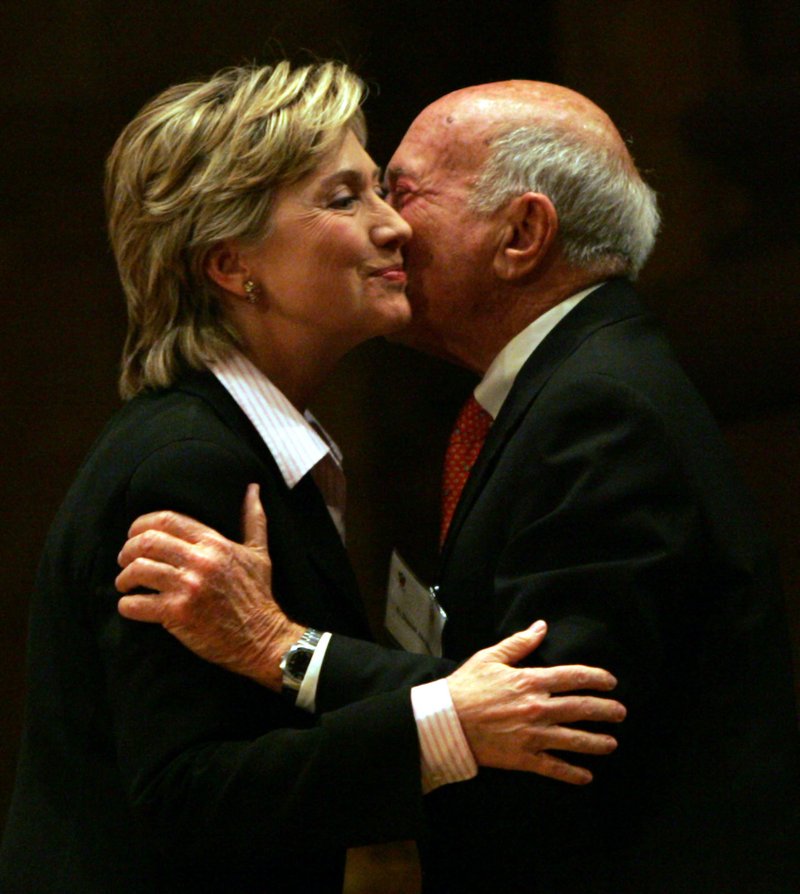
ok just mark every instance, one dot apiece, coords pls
pixel 391 228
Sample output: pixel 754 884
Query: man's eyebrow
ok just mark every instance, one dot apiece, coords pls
pixel 395 171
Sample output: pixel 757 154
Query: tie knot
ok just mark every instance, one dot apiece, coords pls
pixel 472 423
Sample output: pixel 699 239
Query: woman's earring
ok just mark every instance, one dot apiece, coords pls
pixel 252 290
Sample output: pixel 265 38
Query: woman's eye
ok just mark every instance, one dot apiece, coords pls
pixel 342 203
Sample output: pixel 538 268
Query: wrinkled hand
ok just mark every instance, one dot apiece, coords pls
pixel 214 595
pixel 512 716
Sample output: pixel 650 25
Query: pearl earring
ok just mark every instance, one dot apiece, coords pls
pixel 252 291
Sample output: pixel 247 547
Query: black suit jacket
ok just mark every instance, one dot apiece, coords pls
pixel 604 502
pixel 143 768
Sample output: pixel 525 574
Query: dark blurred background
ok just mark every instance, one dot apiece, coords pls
pixel 706 92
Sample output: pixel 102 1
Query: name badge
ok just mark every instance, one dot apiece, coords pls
pixel 414 618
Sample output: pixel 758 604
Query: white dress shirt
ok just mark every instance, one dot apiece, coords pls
pixel 445 754
pixel 445 759
pixel 300 445
pixel 496 383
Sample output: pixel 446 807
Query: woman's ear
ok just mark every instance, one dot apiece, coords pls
pixel 529 231
pixel 225 266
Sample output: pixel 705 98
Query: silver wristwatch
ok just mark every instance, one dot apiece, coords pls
pixel 295 661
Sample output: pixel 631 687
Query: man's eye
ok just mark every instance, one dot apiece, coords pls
pixel 382 192
pixel 398 196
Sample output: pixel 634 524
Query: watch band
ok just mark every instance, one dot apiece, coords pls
pixel 295 661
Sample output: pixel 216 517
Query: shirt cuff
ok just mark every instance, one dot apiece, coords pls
pixel 307 694
pixel 445 754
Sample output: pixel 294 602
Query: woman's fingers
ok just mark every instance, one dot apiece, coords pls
pixel 573 677
pixel 582 708
pixel 555 768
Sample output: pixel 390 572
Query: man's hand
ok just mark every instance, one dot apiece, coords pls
pixel 214 595
pixel 511 716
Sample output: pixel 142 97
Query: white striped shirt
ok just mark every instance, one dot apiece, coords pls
pixel 300 445
pixel 297 442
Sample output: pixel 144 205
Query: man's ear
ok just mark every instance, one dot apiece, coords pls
pixel 529 230
pixel 225 266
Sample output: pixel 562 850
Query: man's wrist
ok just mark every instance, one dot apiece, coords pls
pixel 276 647
pixel 295 662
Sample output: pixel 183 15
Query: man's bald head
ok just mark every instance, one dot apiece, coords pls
pixel 486 109
pixel 520 136
pixel 519 194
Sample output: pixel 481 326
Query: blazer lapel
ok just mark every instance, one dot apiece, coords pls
pixel 609 304
pixel 206 386
pixel 324 546
pixel 322 543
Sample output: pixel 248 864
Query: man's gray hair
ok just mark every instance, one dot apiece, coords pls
pixel 608 216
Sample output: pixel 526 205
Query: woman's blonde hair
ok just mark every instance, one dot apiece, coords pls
pixel 199 164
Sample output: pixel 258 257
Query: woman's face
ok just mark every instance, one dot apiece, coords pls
pixel 330 266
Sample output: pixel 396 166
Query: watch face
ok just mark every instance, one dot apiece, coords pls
pixel 297 663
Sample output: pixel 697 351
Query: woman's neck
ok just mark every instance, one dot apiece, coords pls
pixel 296 365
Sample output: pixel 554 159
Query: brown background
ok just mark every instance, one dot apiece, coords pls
pixel 707 91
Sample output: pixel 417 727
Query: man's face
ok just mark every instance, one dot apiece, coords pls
pixel 448 260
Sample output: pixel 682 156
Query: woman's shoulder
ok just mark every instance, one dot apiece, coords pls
pixel 193 428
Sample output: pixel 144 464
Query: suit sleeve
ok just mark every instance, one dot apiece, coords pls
pixel 599 539
pixel 606 545
pixel 354 669
pixel 216 767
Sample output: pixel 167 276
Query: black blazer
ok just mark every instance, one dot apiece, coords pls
pixel 604 502
pixel 143 768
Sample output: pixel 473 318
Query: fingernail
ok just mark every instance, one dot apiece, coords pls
pixel 538 626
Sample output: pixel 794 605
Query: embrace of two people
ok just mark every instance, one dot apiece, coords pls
pixel 238 743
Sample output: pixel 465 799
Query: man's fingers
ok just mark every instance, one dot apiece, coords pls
pixel 181 526
pixel 254 520
pixel 569 677
pixel 147 574
pixel 156 545
pixel 142 608
pixel 515 647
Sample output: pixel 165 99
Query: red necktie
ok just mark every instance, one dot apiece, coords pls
pixel 465 444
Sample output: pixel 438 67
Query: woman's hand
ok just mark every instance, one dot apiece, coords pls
pixel 215 596
pixel 512 716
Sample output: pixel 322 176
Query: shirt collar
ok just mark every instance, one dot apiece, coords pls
pixel 297 441
pixel 496 383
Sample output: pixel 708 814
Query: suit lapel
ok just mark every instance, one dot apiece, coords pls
pixel 322 543
pixel 206 386
pixel 609 304
pixel 324 546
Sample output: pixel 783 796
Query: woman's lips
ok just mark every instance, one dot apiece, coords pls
pixel 395 273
